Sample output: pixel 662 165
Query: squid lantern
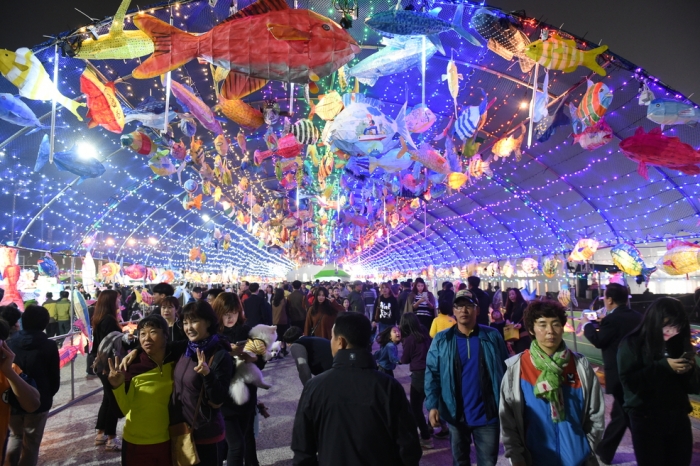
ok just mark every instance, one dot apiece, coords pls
pixel 11 272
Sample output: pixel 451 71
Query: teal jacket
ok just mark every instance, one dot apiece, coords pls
pixel 440 378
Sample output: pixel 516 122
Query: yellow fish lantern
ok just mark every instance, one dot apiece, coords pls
pixel 584 250
pixel 550 264
pixel 508 270
pixel 25 71
pixel 456 180
pixel 203 258
pixel 557 53
pixel 118 44
pixel 104 108
pixel 240 113
pixel 529 265
pixel 328 106
pixel 505 146
pixel 453 77
pixel 681 258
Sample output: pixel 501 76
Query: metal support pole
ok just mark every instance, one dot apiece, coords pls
pixel 72 320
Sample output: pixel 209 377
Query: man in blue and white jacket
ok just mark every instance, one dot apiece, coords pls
pixel 464 368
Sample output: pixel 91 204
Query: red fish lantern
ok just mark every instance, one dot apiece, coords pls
pixel 103 107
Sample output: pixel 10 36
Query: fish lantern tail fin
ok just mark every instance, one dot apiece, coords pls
pixel 172 47
pixel 43 155
pixel 589 59
pixel 71 105
pixel 645 275
pixel 459 29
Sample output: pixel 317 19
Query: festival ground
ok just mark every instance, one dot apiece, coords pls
pixel 69 434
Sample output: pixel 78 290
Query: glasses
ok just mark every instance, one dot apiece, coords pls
pixel 463 308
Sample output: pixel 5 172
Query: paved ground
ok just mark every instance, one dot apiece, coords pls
pixel 69 434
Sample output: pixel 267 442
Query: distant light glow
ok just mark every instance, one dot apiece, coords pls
pixel 109 241
pixel 205 217
pixel 86 150
pixel 524 104
pixel 152 240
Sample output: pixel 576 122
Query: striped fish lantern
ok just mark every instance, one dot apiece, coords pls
pixel 557 53
pixel 472 119
pixel 594 104
pixel 304 131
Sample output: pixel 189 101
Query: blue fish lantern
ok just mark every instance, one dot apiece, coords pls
pixel 14 110
pixel 47 266
pixel 69 161
pixel 438 190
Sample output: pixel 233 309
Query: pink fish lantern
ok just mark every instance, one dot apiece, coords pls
pixel 178 150
pixel 146 297
pixel 135 271
pixel 594 136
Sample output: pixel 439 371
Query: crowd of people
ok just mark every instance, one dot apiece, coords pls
pixel 486 368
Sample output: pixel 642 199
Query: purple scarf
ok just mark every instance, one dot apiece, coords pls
pixel 202 345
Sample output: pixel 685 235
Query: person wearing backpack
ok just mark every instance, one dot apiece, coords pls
pixel 37 357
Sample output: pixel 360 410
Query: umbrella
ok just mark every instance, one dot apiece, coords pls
pixel 332 273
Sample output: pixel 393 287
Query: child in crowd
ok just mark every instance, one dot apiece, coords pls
pixel 497 321
pixel 443 321
pixel 388 356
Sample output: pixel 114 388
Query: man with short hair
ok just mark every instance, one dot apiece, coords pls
pixel 312 355
pixel 395 287
pixel 464 368
pixel 618 322
pixel 344 291
pixel 482 298
pixel 297 310
pixel 37 357
pixel 196 294
pixel 162 291
pixel 257 309
pixel 370 424
pixel 357 303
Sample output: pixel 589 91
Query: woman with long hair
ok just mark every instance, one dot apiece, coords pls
pixel 321 315
pixel 416 344
pixel 238 420
pixel 422 303
pixel 515 312
pixel 203 373
pixel 658 370
pixel 280 316
pixel 104 322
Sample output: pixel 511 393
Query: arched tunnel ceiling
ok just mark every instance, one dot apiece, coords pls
pixel 541 204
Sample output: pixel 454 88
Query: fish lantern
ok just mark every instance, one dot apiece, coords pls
pixel 168 276
pixel 529 265
pixel 431 271
pixel 195 253
pixel 135 271
pixel 464 272
pixel 618 278
pixel 47 266
pixel 628 259
pixel 508 270
pixel 564 295
pixel 472 269
pixel 104 108
pixel 595 136
pixel 681 258
pixel 557 53
pixel 594 104
pixel 109 270
pixel 191 186
pixel 492 269
pixel 151 274
pixel 550 264
pixel 584 250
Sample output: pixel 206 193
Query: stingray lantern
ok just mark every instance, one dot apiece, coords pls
pixel 550 265
pixel 529 265
pixel 681 258
pixel 584 250
pixel 628 259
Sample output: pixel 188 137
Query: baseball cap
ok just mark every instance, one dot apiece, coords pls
pixel 197 289
pixel 466 294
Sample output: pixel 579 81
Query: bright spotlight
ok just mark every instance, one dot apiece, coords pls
pixel 205 217
pixel 524 104
pixel 110 241
pixel 86 150
pixel 132 241
pixel 152 240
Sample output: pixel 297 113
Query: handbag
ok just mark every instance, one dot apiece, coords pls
pixel 510 333
pixel 184 450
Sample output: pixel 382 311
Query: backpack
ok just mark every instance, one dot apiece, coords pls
pixel 110 346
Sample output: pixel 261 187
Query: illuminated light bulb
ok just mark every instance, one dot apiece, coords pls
pixel 86 150
pixel 152 240
pixel 132 241
pixel 205 217
pixel 109 242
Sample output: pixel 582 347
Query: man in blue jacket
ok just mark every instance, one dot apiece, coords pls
pixel 464 368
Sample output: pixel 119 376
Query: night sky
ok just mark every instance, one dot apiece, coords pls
pixel 665 41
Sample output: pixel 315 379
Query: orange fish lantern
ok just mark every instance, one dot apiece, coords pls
pixel 135 271
pixel 583 250
pixel 190 203
pixel 168 276
pixel 456 180
pixel 195 253
pixel 103 107
pixel 240 113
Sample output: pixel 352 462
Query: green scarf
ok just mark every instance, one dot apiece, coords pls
pixel 548 385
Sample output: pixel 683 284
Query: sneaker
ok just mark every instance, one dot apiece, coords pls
pixel 427 443
pixel 114 444
pixel 443 434
pixel 100 439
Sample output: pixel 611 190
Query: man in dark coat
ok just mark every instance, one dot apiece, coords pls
pixel 37 356
pixel 357 303
pixel 374 416
pixel 619 321
pixel 482 298
pixel 297 311
pixel 257 309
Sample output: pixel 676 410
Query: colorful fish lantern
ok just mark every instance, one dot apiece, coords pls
pixel 653 148
pixel 161 165
pixel 529 265
pixel 135 271
pixel 453 77
pixel 681 258
pixel 23 69
pixel 304 131
pixel 109 270
pixel 479 168
pixel 594 137
pixel 456 180
pixel 140 142
pixel 104 108
pixel 191 186
pixel 472 118
pixel 584 250
pixel 550 265
pixel 505 146
pixel 594 104
pixel 504 38
pixel 557 53
pixel 265 40
pixel 192 202
pixel 328 106
pixel 628 259
pixel 201 111
pixel 47 266
pixel 420 119
pixel 672 112
pixel 195 252
pixel 564 295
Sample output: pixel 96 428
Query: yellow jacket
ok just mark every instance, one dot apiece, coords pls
pixel 63 309
pixel 440 323
pixel 50 305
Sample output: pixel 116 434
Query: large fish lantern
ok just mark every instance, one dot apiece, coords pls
pixel 529 265
pixel 69 161
pixel 557 53
pixel 654 148
pixel 594 104
pixel 502 36
pixel 584 250
pixel 265 40
pixel 135 271
pixel 550 265
pixel 109 270
pixel 47 266
pixel 681 258
pixel 628 259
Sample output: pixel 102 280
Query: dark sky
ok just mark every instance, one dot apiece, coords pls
pixel 661 37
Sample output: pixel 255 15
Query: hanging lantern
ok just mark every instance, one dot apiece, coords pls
pixel 583 250
pixel 550 265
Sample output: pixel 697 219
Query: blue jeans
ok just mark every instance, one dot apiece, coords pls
pixel 485 441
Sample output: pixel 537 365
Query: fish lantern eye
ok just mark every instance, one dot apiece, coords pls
pixel 326 27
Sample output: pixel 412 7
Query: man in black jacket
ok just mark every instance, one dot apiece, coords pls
pixel 297 312
pixel 312 355
pixel 357 303
pixel 257 309
pixel 619 321
pixel 37 356
pixel 482 298
pixel 353 414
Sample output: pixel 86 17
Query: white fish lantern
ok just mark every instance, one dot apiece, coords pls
pixel 529 265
